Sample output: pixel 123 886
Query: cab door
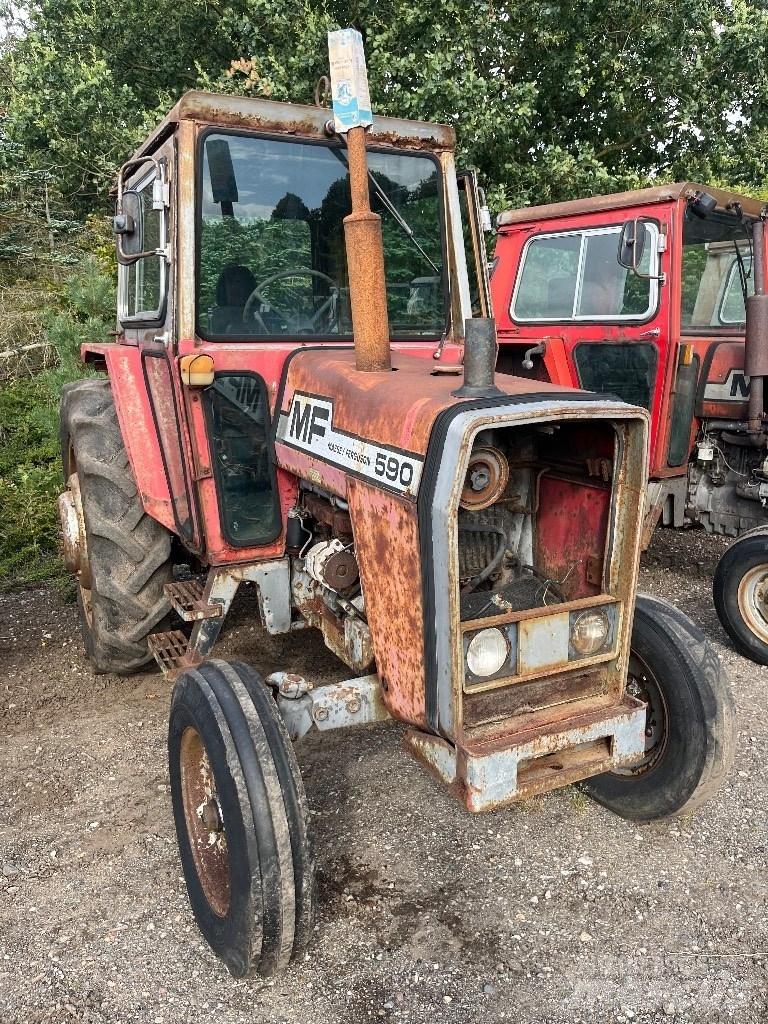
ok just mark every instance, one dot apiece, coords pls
pixel 146 305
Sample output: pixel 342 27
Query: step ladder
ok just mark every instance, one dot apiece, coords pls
pixel 189 602
pixel 205 605
pixel 171 652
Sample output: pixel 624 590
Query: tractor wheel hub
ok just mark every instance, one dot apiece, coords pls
pixel 73 539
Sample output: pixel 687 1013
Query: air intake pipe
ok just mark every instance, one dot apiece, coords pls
pixel 480 352
pixel 756 341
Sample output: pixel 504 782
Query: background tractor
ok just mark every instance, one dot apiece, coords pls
pixel 658 296
pixel 285 405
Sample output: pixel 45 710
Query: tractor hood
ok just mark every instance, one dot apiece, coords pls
pixel 394 446
pixel 333 422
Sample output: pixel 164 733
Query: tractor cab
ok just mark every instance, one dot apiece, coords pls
pixel 639 294
pixel 659 297
pixel 302 397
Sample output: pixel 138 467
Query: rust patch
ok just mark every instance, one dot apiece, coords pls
pixel 387 547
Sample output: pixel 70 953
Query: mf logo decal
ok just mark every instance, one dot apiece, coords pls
pixel 735 388
pixel 308 426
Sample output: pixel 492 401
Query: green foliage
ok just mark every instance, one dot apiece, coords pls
pixel 30 458
pixel 549 99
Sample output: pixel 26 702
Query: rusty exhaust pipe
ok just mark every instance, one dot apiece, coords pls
pixel 756 340
pixel 365 265
pixel 480 352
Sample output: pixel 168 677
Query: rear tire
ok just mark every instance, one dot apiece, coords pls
pixel 690 720
pixel 122 600
pixel 740 591
pixel 241 816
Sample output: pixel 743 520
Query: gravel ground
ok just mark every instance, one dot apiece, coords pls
pixel 551 911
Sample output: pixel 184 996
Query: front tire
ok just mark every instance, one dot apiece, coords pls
pixel 690 734
pixel 740 591
pixel 126 555
pixel 241 818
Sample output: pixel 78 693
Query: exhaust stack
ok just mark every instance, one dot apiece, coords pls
pixel 365 265
pixel 362 228
pixel 480 352
pixel 756 340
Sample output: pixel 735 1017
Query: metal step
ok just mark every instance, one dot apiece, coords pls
pixel 186 596
pixel 170 651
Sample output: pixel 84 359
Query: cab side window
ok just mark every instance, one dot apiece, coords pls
pixel 141 291
pixel 575 275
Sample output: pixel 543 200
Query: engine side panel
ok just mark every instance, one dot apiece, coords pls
pixel 723 387
pixel 386 532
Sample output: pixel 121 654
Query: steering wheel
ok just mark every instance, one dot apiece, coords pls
pixel 330 305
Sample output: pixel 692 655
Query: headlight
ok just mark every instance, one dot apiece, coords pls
pixel 589 632
pixel 487 652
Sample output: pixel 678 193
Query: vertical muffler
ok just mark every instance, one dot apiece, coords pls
pixel 365 265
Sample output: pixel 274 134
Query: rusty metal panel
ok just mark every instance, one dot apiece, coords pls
pixel 397 407
pixel 543 642
pixel 386 535
pixel 621 200
pixel 292 119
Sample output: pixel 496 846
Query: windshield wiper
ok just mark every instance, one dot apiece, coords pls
pixel 401 222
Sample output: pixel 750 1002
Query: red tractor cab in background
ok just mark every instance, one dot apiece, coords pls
pixel 658 296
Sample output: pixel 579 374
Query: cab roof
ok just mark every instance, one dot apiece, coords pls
pixel 244 112
pixel 621 200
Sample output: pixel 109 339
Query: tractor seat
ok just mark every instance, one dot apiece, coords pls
pixel 233 288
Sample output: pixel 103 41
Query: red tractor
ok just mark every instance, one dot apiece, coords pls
pixel 659 297
pixel 285 405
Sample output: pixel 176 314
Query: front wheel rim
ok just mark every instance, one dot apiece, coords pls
pixel 643 685
pixel 753 600
pixel 205 822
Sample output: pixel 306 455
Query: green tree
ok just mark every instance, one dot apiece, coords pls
pixel 549 99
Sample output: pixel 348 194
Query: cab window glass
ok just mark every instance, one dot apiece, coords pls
pixel 576 276
pixel 143 294
pixel 272 259
pixel 624 369
pixel 717 265
pixel 238 424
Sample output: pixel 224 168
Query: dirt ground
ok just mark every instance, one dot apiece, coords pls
pixel 551 911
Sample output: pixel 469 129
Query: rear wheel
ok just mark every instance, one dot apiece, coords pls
pixel 689 722
pixel 120 555
pixel 740 591
pixel 241 818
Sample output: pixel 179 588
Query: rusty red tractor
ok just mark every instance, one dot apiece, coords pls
pixel 659 296
pixel 300 398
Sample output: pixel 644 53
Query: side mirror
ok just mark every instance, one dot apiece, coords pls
pixel 128 225
pixel 631 245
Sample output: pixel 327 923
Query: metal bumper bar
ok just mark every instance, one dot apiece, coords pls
pixel 492 775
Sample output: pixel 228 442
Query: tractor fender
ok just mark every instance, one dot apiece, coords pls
pixel 122 364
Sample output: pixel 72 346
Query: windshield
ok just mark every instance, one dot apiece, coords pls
pixel 717 258
pixel 272 260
